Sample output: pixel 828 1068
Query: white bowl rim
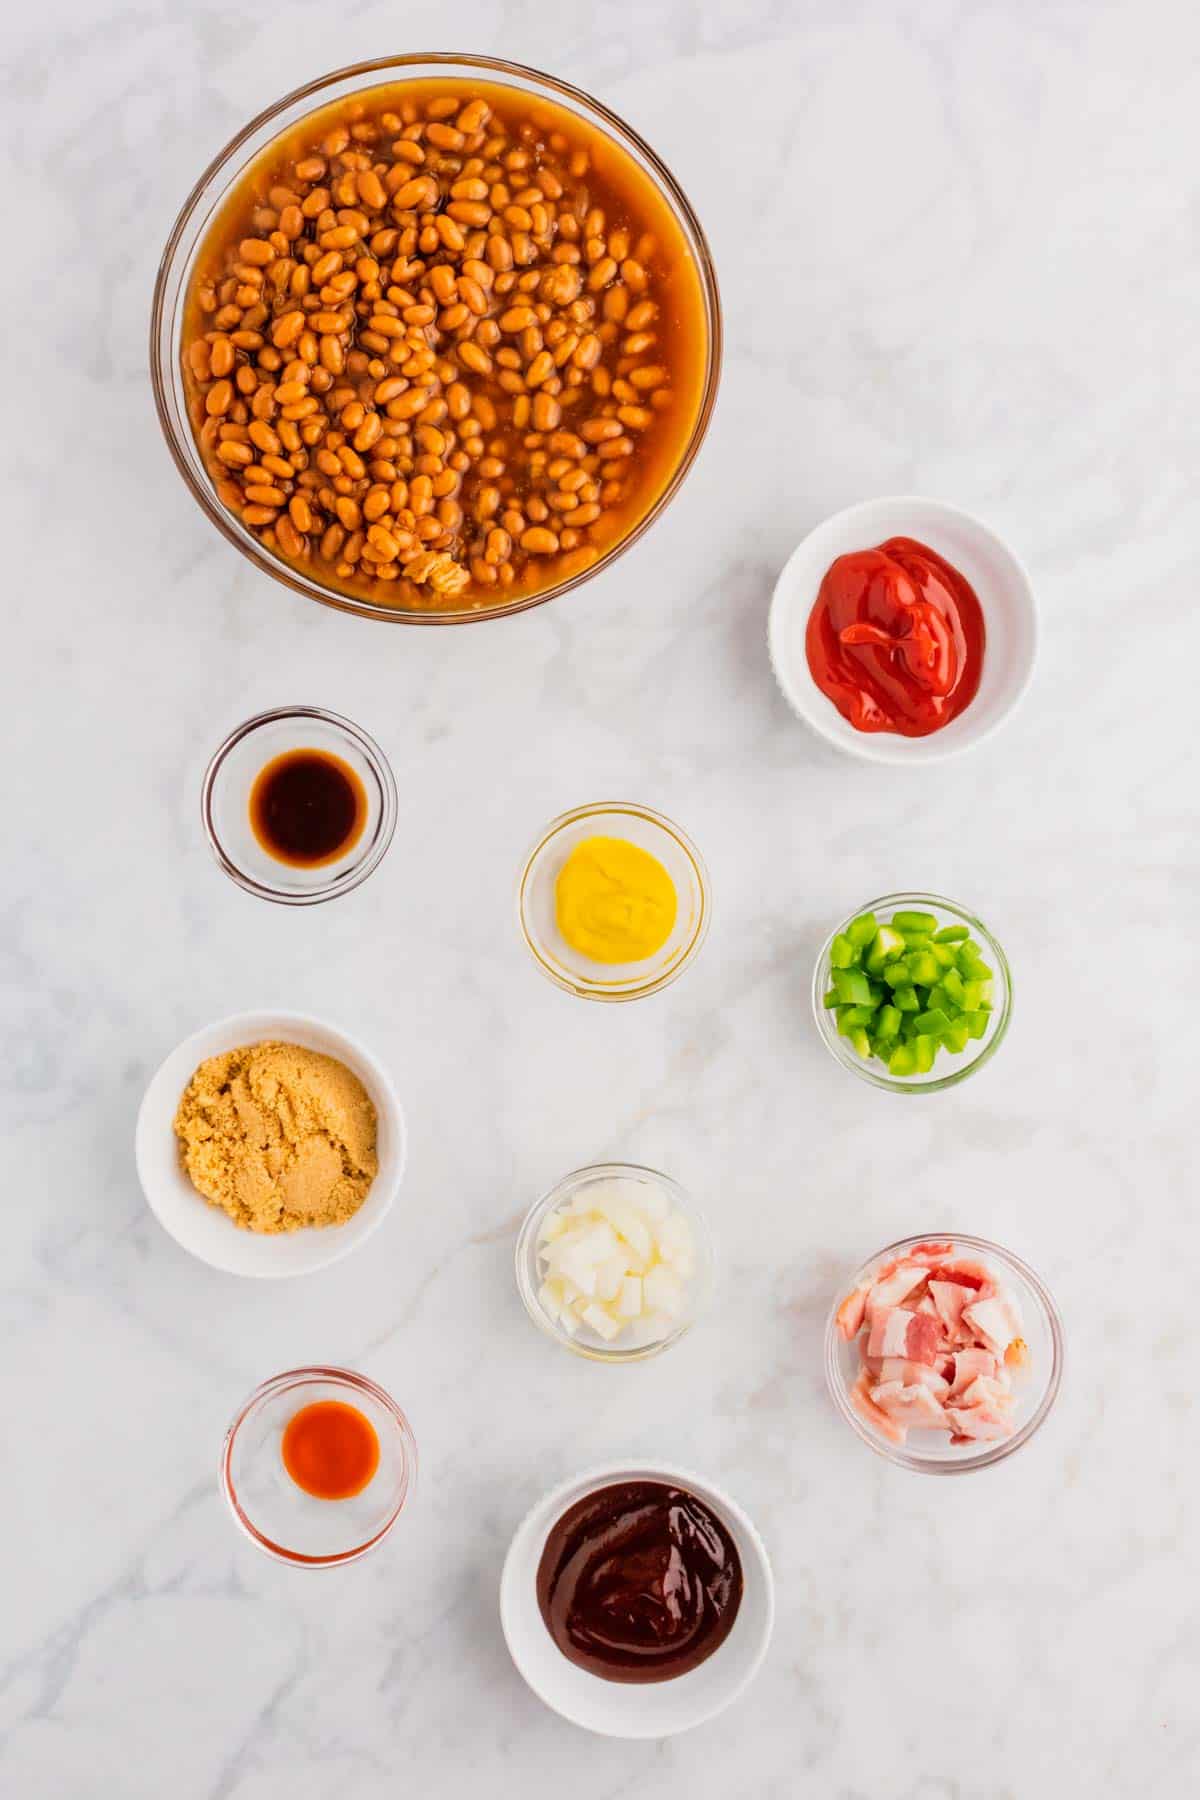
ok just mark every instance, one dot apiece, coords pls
pixel 266 1021
pixel 803 695
pixel 584 1482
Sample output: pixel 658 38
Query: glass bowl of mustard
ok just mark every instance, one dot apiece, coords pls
pixel 613 901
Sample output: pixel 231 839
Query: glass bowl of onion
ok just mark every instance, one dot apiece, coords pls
pixel 615 1262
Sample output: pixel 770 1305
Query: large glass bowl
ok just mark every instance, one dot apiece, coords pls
pixel 948 1069
pixel 223 174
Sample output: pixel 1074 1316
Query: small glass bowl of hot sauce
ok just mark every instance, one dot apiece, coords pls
pixel 317 1466
pixel 299 805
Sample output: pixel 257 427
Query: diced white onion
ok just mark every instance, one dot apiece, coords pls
pixel 616 1259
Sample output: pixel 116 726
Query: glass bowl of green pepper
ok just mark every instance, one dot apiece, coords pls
pixel 912 993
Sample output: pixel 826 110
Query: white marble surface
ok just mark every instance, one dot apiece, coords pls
pixel 958 249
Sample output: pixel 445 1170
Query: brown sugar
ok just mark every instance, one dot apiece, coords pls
pixel 278 1136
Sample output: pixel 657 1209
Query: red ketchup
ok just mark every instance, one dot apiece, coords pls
pixel 896 639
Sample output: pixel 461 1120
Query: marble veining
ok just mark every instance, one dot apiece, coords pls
pixel 958 246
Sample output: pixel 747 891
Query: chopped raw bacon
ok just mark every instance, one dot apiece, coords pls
pixel 995 1322
pixel 909 1374
pixel 944 1359
pixel 908 1334
pixel 862 1402
pixel 931 1253
pixel 851 1313
pixel 913 1407
pixel 891 1289
pixel 950 1297
pixel 967 1273
pixel 987 1393
pixel 968 1366
pixel 976 1423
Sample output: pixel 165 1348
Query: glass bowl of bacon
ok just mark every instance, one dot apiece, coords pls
pixel 944 1353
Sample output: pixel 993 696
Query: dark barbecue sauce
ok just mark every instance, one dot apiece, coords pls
pixel 307 807
pixel 639 1582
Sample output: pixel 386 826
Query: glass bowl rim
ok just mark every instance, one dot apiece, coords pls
pixel 894 1084
pixel 525 1253
pixel 279 1384
pixel 652 985
pixel 381 768
pixel 164 370
pixel 989 1453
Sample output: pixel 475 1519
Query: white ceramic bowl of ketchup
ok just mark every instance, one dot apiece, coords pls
pixel 652 1709
pixel 993 570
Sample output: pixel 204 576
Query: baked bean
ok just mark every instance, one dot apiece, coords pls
pixel 219 399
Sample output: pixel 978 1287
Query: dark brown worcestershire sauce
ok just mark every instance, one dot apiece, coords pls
pixel 307 807
pixel 639 1582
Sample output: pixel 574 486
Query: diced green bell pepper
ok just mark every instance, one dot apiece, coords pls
pixel 853 988
pixel 923 967
pixel 977 1023
pixel 841 952
pixel 933 1022
pixel 902 1061
pixel 860 931
pixel 886 945
pixel 887 1022
pixel 860 1042
pixel 951 934
pixel 955 1036
pixel 831 998
pixel 953 986
pixel 925 1049
pixel 914 921
pixel 850 1017
pixel 905 1000
pixel 917 940
pixel 971 965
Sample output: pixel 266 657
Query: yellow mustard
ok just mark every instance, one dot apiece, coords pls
pixel 614 902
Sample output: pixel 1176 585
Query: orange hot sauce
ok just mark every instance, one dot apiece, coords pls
pixel 331 1450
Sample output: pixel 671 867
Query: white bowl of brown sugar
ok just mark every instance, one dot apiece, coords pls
pixel 270 1144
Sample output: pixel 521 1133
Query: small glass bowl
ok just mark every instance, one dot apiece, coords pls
pixel 578 974
pixel 948 1070
pixel 586 1342
pixel 1035 1388
pixel 225 804
pixel 229 167
pixel 280 1517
